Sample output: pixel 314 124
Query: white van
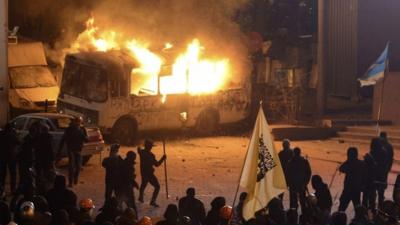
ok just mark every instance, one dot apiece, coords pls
pixel 33 88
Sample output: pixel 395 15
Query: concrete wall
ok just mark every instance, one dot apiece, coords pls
pixel 391 98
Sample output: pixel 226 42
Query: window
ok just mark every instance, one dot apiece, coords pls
pixel 19 123
pixel 62 122
pixel 31 77
pixel 38 121
pixel 32 121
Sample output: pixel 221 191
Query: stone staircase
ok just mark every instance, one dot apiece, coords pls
pixel 364 134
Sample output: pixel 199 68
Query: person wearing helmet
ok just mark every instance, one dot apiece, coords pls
pixel 113 165
pixel 145 220
pixel 147 163
pixel 86 207
pixel 8 157
pixel 74 137
pixel 25 214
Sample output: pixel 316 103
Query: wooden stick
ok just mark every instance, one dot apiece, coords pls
pixel 165 170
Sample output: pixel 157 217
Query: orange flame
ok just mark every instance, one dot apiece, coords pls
pixel 191 72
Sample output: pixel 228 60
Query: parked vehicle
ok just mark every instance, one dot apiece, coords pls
pixel 33 88
pixel 57 124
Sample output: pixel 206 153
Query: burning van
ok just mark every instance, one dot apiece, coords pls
pixel 110 89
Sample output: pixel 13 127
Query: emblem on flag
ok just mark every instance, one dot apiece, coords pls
pixel 265 160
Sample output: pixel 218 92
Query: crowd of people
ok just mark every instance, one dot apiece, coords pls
pixel 42 197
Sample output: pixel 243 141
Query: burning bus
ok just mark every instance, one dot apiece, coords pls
pixel 125 88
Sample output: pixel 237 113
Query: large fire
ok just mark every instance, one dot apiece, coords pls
pixel 190 72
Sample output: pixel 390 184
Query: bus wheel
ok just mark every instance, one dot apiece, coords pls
pixel 207 122
pixel 124 131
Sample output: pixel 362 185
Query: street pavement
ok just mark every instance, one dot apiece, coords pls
pixel 212 165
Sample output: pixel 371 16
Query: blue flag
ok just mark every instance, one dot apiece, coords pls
pixel 377 70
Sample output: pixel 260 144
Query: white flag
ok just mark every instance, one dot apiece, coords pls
pixel 262 173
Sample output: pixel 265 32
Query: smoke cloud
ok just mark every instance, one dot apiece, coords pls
pixel 177 21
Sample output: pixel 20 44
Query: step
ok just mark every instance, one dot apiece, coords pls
pixel 353 122
pixel 390 130
pixel 299 133
pixel 366 136
pixel 360 141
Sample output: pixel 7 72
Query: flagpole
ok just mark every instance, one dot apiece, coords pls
pixel 386 72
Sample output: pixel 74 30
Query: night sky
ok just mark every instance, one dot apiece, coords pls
pixel 379 22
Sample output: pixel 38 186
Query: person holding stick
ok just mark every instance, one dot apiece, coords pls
pixel 147 163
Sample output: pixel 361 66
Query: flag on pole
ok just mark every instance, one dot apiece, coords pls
pixel 262 173
pixel 377 70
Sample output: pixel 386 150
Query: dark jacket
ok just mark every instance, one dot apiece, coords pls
pixel 389 153
pixel 147 161
pixel 113 166
pixel 27 151
pixel 355 174
pixel 44 149
pixel 8 144
pixel 128 172
pixel 74 137
pixel 324 197
pixel 59 197
pixel 299 173
pixel 377 161
pixel 285 156
pixel 192 208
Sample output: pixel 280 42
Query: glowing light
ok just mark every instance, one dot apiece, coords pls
pixel 191 73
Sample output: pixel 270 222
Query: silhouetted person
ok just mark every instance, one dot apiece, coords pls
pixel 129 180
pixel 8 157
pixel 128 217
pixel 276 213
pixel 74 137
pixel 113 166
pixel 377 164
pixel 360 216
pixel 389 152
pixel 238 218
pixel 323 194
pixel 285 155
pixel 192 207
pixel 59 197
pixel 44 153
pixel 147 163
pixel 171 216
pixel 5 213
pixel 292 217
pixel 299 174
pixel 338 218
pixel 26 155
pixel 213 216
pixel 61 217
pixel 42 214
pixel 109 212
pixel 354 170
